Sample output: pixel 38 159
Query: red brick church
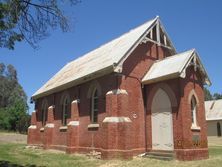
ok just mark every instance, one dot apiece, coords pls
pixel 132 95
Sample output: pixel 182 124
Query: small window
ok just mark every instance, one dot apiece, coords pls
pixel 94 106
pixel 65 110
pixel 194 111
pixel 44 111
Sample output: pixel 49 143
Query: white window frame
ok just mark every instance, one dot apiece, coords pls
pixel 194 112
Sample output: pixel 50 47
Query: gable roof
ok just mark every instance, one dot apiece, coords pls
pixel 174 67
pixel 103 60
pixel 213 110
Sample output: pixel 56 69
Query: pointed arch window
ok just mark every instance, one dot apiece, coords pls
pixel 44 111
pixel 94 106
pixel 65 110
pixel 194 112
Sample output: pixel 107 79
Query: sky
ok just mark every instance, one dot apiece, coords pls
pixel 189 23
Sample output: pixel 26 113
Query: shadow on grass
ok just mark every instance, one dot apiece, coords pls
pixel 10 164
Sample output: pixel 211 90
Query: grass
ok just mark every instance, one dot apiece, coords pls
pixel 13 153
pixel 17 155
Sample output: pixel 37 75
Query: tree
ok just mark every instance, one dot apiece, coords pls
pixel 30 20
pixel 2 69
pixel 207 94
pixel 217 96
pixel 13 101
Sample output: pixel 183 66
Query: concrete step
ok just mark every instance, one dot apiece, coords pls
pixel 161 155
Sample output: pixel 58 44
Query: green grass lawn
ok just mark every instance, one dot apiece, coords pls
pixel 17 155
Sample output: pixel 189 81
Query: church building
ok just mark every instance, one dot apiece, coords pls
pixel 132 95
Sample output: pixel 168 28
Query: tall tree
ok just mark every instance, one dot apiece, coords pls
pixel 13 101
pixel 2 69
pixel 30 20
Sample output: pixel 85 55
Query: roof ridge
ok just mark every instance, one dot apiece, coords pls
pixel 115 38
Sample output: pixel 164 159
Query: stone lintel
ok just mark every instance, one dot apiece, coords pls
pixel 117 119
pixel 51 107
pixel 49 125
pixel 117 91
pixel 32 127
pixel 73 123
pixel 76 101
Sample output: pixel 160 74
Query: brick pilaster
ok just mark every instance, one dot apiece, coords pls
pixel 49 128
pixel 32 130
pixel 73 128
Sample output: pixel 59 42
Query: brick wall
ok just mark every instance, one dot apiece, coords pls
pixel 124 138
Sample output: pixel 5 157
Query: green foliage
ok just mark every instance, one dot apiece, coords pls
pixel 30 20
pixel 13 101
pixel 217 96
pixel 207 95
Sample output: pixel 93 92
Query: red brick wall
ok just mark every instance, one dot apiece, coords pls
pixel 182 132
pixel 134 68
pixel 126 138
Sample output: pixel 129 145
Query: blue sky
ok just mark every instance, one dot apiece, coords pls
pixel 189 23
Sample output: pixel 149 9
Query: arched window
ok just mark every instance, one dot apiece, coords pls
pixel 44 111
pixel 65 109
pixel 94 106
pixel 194 111
pixel 218 129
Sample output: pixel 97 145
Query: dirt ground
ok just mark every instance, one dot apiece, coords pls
pixel 214 141
pixel 13 138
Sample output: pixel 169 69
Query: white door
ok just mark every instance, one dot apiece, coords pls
pixel 162 128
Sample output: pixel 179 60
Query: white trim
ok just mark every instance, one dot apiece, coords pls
pixel 193 127
pixel 133 47
pixel 73 123
pixel 117 119
pixel 155 42
pixel 63 127
pixel 32 127
pixel 158 32
pixel 194 111
pixel 49 125
pixel 117 91
pixel 76 101
pixel 42 129
pixel 51 107
pixel 213 119
pixel 93 125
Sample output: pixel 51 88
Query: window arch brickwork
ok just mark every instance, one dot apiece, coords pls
pixel 44 111
pixel 65 108
pixel 94 106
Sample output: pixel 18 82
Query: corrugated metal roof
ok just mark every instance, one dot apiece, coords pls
pixel 168 67
pixel 213 110
pixel 172 67
pixel 96 60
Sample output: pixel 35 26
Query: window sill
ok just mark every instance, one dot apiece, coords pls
pixel 93 125
pixel 195 128
pixel 42 129
pixel 63 128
